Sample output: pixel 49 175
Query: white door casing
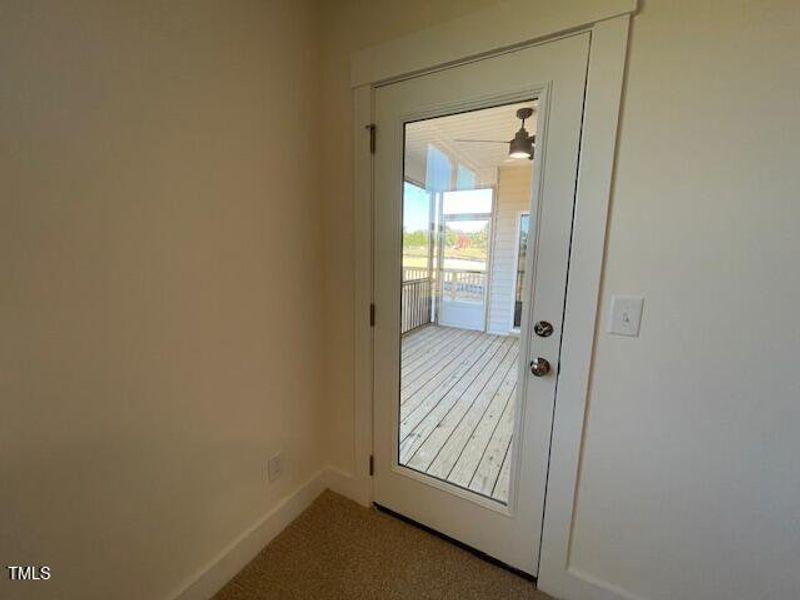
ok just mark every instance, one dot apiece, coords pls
pixel 484 33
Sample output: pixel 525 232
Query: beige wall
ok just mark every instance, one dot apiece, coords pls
pixel 159 279
pixel 689 485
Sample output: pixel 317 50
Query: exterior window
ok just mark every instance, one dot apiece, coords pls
pixel 465 178
pixel 522 252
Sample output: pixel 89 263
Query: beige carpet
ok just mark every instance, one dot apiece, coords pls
pixel 337 550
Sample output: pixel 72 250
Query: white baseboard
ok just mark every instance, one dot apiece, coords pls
pixel 358 489
pixel 209 580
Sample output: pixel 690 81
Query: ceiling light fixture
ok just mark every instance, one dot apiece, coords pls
pixel 522 144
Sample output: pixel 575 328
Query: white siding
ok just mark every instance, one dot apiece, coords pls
pixel 513 197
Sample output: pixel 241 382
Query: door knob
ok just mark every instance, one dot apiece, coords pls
pixel 540 366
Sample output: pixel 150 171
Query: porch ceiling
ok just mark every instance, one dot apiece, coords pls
pixel 498 123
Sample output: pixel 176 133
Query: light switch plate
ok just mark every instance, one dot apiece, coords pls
pixel 625 315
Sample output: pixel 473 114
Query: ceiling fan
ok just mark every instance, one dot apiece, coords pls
pixel 522 145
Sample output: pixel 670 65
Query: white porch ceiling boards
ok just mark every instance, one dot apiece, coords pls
pixel 497 123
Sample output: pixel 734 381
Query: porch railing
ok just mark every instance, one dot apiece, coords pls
pixel 415 301
pixel 417 291
pixel 463 286
pixel 411 273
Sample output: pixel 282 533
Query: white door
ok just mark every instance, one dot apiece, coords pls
pixel 462 425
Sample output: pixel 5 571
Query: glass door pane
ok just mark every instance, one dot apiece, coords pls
pixel 458 372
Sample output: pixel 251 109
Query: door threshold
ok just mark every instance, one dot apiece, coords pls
pixel 474 551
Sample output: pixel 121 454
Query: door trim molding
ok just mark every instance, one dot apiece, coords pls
pixel 363 299
pixel 605 80
pixel 458 41
pixel 499 27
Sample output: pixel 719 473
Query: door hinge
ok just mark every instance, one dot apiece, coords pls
pixel 372 315
pixel 371 128
pixel 371 465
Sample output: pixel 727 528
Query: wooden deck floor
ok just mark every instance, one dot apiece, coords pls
pixel 457 400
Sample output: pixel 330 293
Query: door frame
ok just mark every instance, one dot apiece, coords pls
pixel 445 46
pixel 490 217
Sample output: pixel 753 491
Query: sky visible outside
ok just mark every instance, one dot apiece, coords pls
pixel 416 208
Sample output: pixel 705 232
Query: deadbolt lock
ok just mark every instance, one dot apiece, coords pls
pixel 543 329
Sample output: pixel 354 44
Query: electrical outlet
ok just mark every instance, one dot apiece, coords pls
pixel 275 465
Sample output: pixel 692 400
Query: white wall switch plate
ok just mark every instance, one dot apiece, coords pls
pixel 625 315
pixel 275 465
